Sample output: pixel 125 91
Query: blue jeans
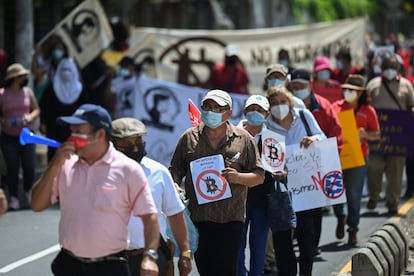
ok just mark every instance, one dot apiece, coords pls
pixel 14 155
pixel 354 184
pixel 256 218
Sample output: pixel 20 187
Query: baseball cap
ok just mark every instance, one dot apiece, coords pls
pixel 127 127
pixel 222 98
pixel 88 114
pixel 356 82
pixel 300 75
pixel 321 63
pixel 259 100
pixel 232 50
pixel 277 68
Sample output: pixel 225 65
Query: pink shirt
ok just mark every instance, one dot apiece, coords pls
pixel 15 105
pixel 96 203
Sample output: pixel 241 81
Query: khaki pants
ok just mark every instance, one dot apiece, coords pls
pixel 393 167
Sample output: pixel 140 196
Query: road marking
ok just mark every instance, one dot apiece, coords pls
pixel 401 212
pixel 30 258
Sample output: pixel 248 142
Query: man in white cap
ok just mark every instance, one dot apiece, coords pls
pixel 219 161
pixel 230 75
pixel 127 136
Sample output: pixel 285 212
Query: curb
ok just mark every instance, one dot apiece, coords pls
pixel 385 253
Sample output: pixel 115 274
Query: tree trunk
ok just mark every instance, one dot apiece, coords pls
pixel 24 32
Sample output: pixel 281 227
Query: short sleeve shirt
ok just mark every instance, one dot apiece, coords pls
pixel 97 200
pixel 194 144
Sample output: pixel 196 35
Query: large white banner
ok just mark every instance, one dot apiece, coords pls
pixel 163 107
pixel 315 175
pixel 186 56
pixel 85 31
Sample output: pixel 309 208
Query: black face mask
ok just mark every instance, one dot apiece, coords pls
pixel 231 61
pixel 24 83
pixel 137 155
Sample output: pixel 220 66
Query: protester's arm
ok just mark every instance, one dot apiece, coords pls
pixel 179 230
pixel 152 237
pixel 42 189
pixel 3 202
pixel 249 179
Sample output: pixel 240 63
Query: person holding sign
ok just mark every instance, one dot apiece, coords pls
pixel 355 98
pixel 256 110
pixel 219 161
pixel 390 91
pixel 285 120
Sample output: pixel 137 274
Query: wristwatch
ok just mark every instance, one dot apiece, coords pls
pixel 187 254
pixel 153 254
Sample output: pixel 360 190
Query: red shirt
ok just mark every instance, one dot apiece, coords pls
pixel 338 76
pixel 331 91
pixel 229 79
pixel 327 118
pixel 366 117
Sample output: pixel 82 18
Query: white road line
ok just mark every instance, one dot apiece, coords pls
pixel 29 259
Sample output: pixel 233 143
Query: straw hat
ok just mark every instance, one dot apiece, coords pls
pixel 356 82
pixel 15 70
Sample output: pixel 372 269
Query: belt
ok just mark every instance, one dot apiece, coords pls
pixel 120 256
pixel 135 252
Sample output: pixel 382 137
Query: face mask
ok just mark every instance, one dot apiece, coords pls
pixel 323 75
pixel 339 65
pixel 284 62
pixel 66 75
pixel 122 72
pixel 302 94
pixel 389 74
pixel 280 111
pixel 24 83
pixel 255 118
pixel 79 140
pixel 350 95
pixel 211 119
pixel 275 82
pixel 377 69
pixel 137 155
pixel 57 54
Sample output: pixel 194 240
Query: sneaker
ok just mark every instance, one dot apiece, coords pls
pixel 28 195
pixel 352 238
pixel 371 205
pixel 14 203
pixel 340 228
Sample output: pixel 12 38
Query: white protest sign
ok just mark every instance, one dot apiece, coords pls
pixel 273 151
pixel 315 175
pixel 209 184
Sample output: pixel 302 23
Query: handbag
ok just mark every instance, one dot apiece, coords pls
pixel 280 211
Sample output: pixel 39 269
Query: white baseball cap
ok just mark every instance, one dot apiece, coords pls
pixel 259 100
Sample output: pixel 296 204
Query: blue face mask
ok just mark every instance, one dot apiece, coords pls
pixel 57 54
pixel 275 82
pixel 122 72
pixel 284 62
pixel 339 65
pixel 323 75
pixel 255 118
pixel 301 94
pixel 211 119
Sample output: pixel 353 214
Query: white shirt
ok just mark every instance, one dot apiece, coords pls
pixel 166 199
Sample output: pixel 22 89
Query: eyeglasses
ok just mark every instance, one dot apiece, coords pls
pixel 215 109
pixel 129 145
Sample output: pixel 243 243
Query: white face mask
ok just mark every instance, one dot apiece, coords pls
pixel 280 111
pixel 389 74
pixel 350 95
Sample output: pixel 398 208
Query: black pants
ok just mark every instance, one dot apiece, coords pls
pixel 66 265
pixel 284 253
pixel 218 248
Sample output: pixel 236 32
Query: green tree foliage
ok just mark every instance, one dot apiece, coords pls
pixel 306 11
